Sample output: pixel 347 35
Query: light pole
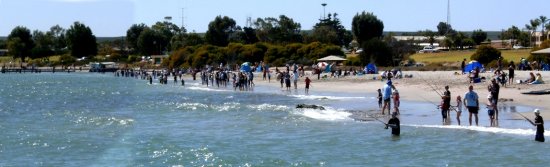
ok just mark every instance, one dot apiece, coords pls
pixel 324 14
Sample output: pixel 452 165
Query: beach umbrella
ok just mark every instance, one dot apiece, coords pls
pixel 322 66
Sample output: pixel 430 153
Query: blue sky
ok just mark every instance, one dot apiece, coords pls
pixel 113 17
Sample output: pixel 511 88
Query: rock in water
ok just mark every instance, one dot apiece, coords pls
pixel 310 106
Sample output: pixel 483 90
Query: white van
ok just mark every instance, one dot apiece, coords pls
pixel 429 49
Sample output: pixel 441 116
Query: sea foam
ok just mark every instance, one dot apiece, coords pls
pixel 325 115
pixel 523 132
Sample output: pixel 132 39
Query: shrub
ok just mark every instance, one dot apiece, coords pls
pixel 485 54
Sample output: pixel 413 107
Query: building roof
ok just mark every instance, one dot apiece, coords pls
pixel 543 51
pixel 332 58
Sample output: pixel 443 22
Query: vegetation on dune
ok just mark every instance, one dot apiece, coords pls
pixel 275 40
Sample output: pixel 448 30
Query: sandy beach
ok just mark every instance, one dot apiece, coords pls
pixel 420 87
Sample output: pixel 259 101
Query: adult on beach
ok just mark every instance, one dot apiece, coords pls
pixel 539 123
pixel 446 104
pixel 386 95
pixel 511 69
pixel 308 82
pixel 462 66
pixel 494 90
pixel 394 124
pixel 471 101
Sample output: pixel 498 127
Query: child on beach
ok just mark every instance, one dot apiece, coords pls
pixel 379 98
pixel 491 109
pixel 458 108
pixel 396 101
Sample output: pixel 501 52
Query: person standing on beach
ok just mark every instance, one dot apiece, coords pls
pixel 308 82
pixel 394 124
pixel 494 89
pixel 458 108
pixel 462 66
pixel 386 95
pixel 491 110
pixel 295 79
pixel 511 70
pixel 446 104
pixel 379 98
pixel 471 101
pixel 539 123
pixel 396 101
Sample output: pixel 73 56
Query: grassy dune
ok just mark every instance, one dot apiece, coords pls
pixel 458 56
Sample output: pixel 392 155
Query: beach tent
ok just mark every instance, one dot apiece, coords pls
pixel 245 67
pixel 472 65
pixel 371 69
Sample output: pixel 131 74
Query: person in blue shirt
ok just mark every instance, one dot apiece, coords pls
pixel 471 101
pixel 386 96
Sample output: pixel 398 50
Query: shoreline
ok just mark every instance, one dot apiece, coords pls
pixel 420 87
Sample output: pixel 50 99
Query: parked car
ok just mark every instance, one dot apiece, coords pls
pixel 429 49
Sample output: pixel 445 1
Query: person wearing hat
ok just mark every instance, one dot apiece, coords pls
pixel 386 96
pixel 539 123
pixel 394 124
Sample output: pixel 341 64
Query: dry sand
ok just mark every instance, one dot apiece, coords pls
pixel 420 87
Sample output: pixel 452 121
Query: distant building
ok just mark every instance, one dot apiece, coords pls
pixel 157 59
pixel 417 38
pixel 500 44
pixel 538 37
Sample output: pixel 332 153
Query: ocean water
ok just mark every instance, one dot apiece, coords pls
pixel 102 120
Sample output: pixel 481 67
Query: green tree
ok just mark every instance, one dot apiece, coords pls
pixel 532 27
pixel 219 31
pixel 366 26
pixel 250 35
pixel 20 39
pixel 81 41
pixel 59 40
pixel 444 28
pixel 430 35
pixel 512 33
pixel 543 20
pixel 151 42
pixel 132 35
pixel 323 34
pixel 44 43
pixel 485 54
pixel 479 36
pixel 280 31
pixel 194 39
pixel 3 44
pixel 378 52
pixel 331 25
pixel 16 48
pixel 167 31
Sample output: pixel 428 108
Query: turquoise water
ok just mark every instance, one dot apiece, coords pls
pixel 101 120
